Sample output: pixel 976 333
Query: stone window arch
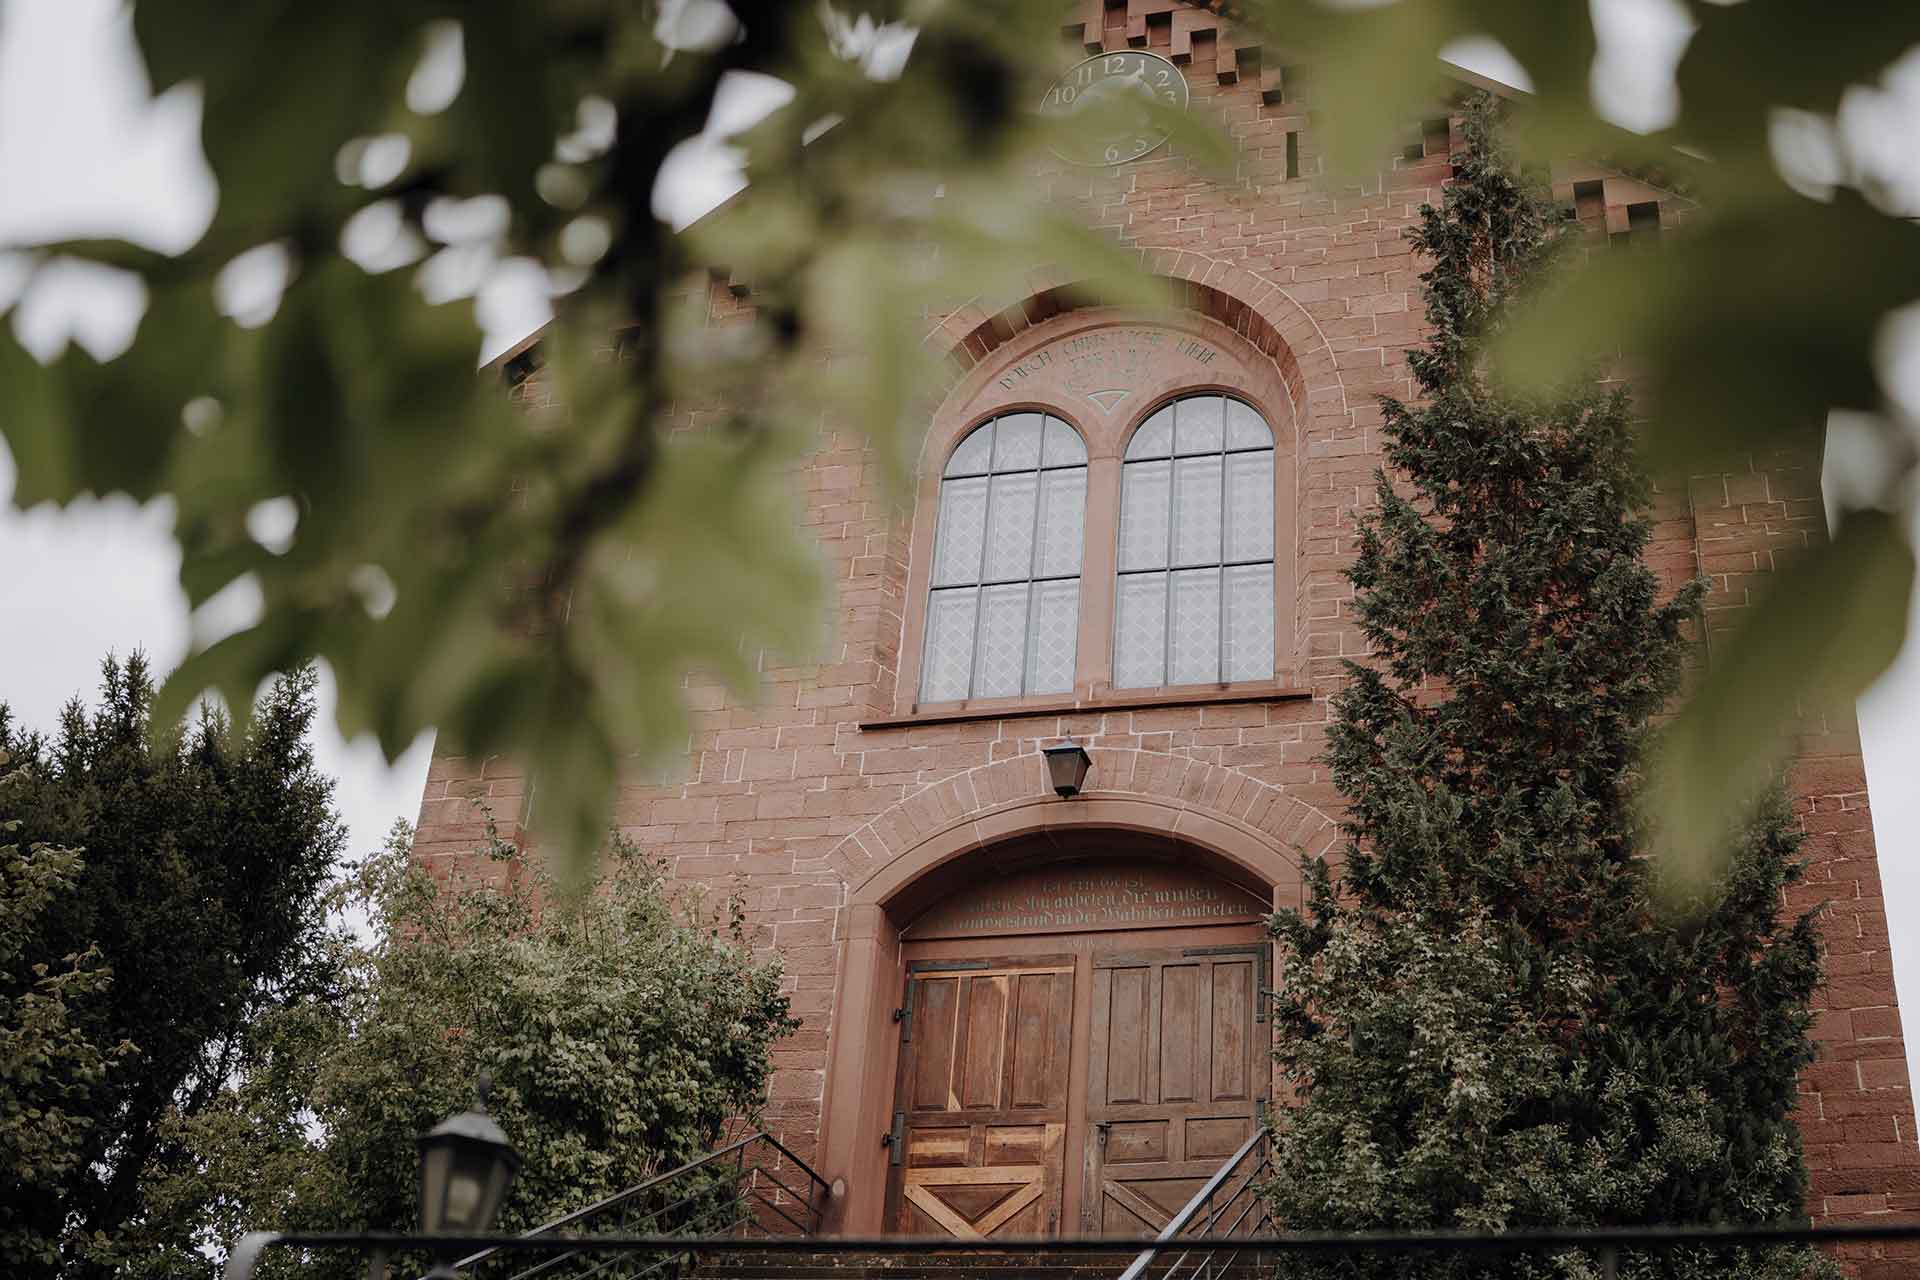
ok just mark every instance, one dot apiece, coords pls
pixel 1104 379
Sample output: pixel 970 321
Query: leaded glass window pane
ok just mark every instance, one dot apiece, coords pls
pixel 1055 636
pixel 1195 630
pixel 949 644
pixel 974 454
pixel 1195 597
pixel 1245 428
pixel 1063 522
pixel 1000 658
pixel 1004 615
pixel 1249 639
pixel 1250 505
pixel 1198 424
pixel 1144 515
pixel 1154 439
pixel 963 526
pixel 1140 631
pixel 1010 526
pixel 1064 446
pixel 1016 442
pixel 1196 510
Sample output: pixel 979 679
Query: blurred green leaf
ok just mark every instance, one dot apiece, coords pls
pixel 514 579
pixel 1732 358
pixel 1828 625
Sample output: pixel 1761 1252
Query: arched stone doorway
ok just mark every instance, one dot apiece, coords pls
pixel 1056 1027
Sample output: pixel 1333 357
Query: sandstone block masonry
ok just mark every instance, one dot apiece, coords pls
pixel 794 800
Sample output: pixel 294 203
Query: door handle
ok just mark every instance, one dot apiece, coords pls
pixel 1105 1128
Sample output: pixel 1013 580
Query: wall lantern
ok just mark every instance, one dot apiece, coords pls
pixel 1067 766
pixel 466 1163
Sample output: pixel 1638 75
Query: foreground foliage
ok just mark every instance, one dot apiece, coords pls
pixel 1491 1025
pixel 182 903
pixel 881 194
pixel 622 1032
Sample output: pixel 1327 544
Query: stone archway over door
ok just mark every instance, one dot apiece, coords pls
pixel 1080 1045
pixel 974 826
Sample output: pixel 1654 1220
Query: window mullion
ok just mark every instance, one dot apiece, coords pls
pixel 1033 560
pixel 980 578
pixel 1220 575
pixel 1173 517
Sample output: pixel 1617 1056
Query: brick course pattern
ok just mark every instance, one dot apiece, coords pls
pixel 790 803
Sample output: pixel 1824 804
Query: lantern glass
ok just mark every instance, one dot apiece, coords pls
pixel 466 1165
pixel 436 1160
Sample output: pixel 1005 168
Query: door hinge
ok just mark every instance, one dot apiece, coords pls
pixel 895 1139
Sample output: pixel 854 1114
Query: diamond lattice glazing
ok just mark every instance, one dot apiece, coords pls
pixel 949 655
pixel 1196 627
pixel 1140 632
pixel 1001 540
pixel 1208 516
pixel 1056 628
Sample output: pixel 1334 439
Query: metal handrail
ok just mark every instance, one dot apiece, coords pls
pixel 1202 1202
pixel 654 1206
pixel 1607 1242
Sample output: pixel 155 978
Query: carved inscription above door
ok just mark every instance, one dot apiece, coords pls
pixel 1081 898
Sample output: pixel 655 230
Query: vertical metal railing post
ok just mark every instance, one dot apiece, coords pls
pixel 742 1193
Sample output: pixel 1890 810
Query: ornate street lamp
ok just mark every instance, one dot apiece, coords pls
pixel 1067 766
pixel 466 1163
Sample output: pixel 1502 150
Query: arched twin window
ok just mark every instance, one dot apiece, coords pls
pixel 1194 598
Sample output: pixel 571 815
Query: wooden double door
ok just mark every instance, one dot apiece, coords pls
pixel 1086 1091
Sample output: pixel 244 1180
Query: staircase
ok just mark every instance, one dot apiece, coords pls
pixel 756 1188
pixel 1026 1264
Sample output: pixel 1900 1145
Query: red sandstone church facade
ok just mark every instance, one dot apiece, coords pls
pixel 1025 1013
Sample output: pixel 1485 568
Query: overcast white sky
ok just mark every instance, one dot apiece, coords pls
pixel 85 150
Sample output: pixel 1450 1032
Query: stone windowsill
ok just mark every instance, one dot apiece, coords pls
pixel 1128 700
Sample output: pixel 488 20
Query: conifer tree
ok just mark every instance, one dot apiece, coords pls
pixel 193 903
pixel 1491 1020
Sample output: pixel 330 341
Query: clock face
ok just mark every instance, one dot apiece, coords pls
pixel 1114 92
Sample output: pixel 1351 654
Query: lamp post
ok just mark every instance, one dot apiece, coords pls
pixel 466 1164
pixel 1067 766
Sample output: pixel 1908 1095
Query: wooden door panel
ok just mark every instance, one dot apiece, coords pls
pixel 983 1100
pixel 1233 1008
pixel 1215 1139
pixel 1181 1052
pixel 1172 1080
